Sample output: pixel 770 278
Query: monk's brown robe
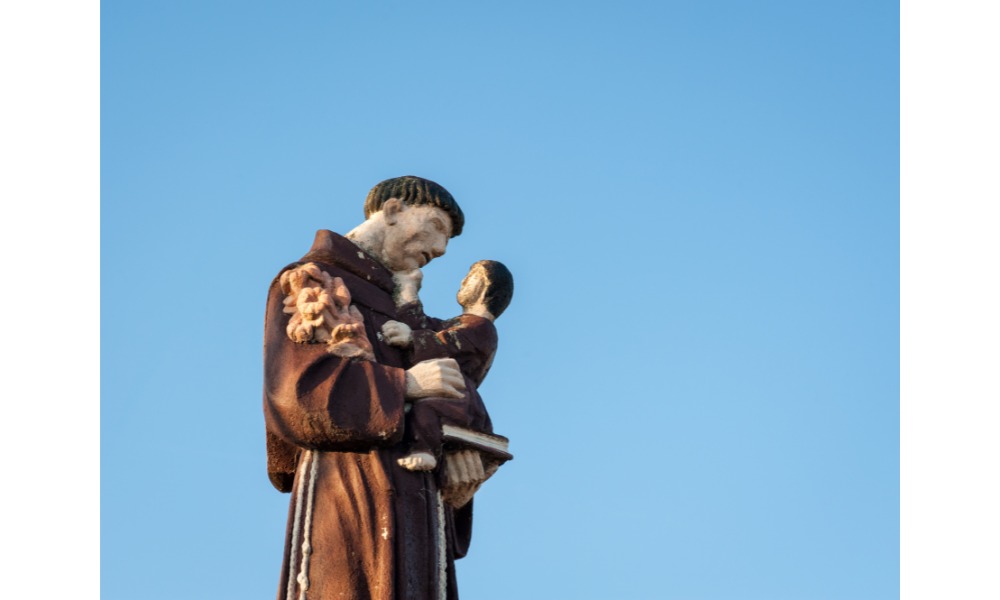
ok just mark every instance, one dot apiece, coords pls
pixel 359 526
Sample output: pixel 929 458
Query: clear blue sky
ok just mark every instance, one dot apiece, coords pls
pixel 699 201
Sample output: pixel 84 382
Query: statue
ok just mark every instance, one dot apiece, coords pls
pixel 373 419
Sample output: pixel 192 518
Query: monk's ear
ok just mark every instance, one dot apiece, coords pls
pixel 392 207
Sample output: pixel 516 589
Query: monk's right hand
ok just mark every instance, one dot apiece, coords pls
pixel 435 379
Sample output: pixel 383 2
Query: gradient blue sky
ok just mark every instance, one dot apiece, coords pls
pixel 699 372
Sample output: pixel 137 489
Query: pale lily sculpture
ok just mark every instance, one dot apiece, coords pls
pixel 381 438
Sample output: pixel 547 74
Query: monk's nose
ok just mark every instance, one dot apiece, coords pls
pixel 439 248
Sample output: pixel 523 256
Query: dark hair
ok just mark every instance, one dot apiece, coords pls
pixel 499 285
pixel 415 191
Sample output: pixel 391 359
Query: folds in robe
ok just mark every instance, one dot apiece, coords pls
pixel 360 527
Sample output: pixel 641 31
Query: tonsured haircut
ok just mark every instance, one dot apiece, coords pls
pixel 415 191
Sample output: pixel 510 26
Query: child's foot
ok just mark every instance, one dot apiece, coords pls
pixel 418 461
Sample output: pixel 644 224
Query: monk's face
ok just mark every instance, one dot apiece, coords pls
pixel 414 235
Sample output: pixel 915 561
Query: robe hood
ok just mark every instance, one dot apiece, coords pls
pixel 334 249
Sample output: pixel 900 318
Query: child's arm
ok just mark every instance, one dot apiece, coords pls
pixel 411 330
pixel 410 317
pixel 457 338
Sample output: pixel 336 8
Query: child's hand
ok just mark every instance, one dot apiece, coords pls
pixel 397 334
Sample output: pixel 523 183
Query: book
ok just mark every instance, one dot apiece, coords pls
pixel 494 446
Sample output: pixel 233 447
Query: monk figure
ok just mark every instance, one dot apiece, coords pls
pixel 361 526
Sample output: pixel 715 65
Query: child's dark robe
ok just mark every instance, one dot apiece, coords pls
pixel 360 526
pixel 469 339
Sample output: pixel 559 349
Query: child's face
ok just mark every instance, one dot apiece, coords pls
pixel 472 288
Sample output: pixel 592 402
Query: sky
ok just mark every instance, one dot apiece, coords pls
pixel 699 202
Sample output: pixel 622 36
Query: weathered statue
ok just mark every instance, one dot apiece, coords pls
pixel 381 500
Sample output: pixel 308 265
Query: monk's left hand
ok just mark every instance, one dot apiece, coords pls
pixel 465 475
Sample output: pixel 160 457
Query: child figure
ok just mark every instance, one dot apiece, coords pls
pixel 470 339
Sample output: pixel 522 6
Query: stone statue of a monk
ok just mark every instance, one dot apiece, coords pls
pixel 360 526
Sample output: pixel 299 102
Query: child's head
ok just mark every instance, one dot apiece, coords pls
pixel 489 283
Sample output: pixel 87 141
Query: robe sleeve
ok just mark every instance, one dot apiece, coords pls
pixel 316 400
pixel 461 529
pixel 412 314
pixel 458 341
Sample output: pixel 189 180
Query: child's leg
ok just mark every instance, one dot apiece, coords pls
pixel 426 428
pixel 425 420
